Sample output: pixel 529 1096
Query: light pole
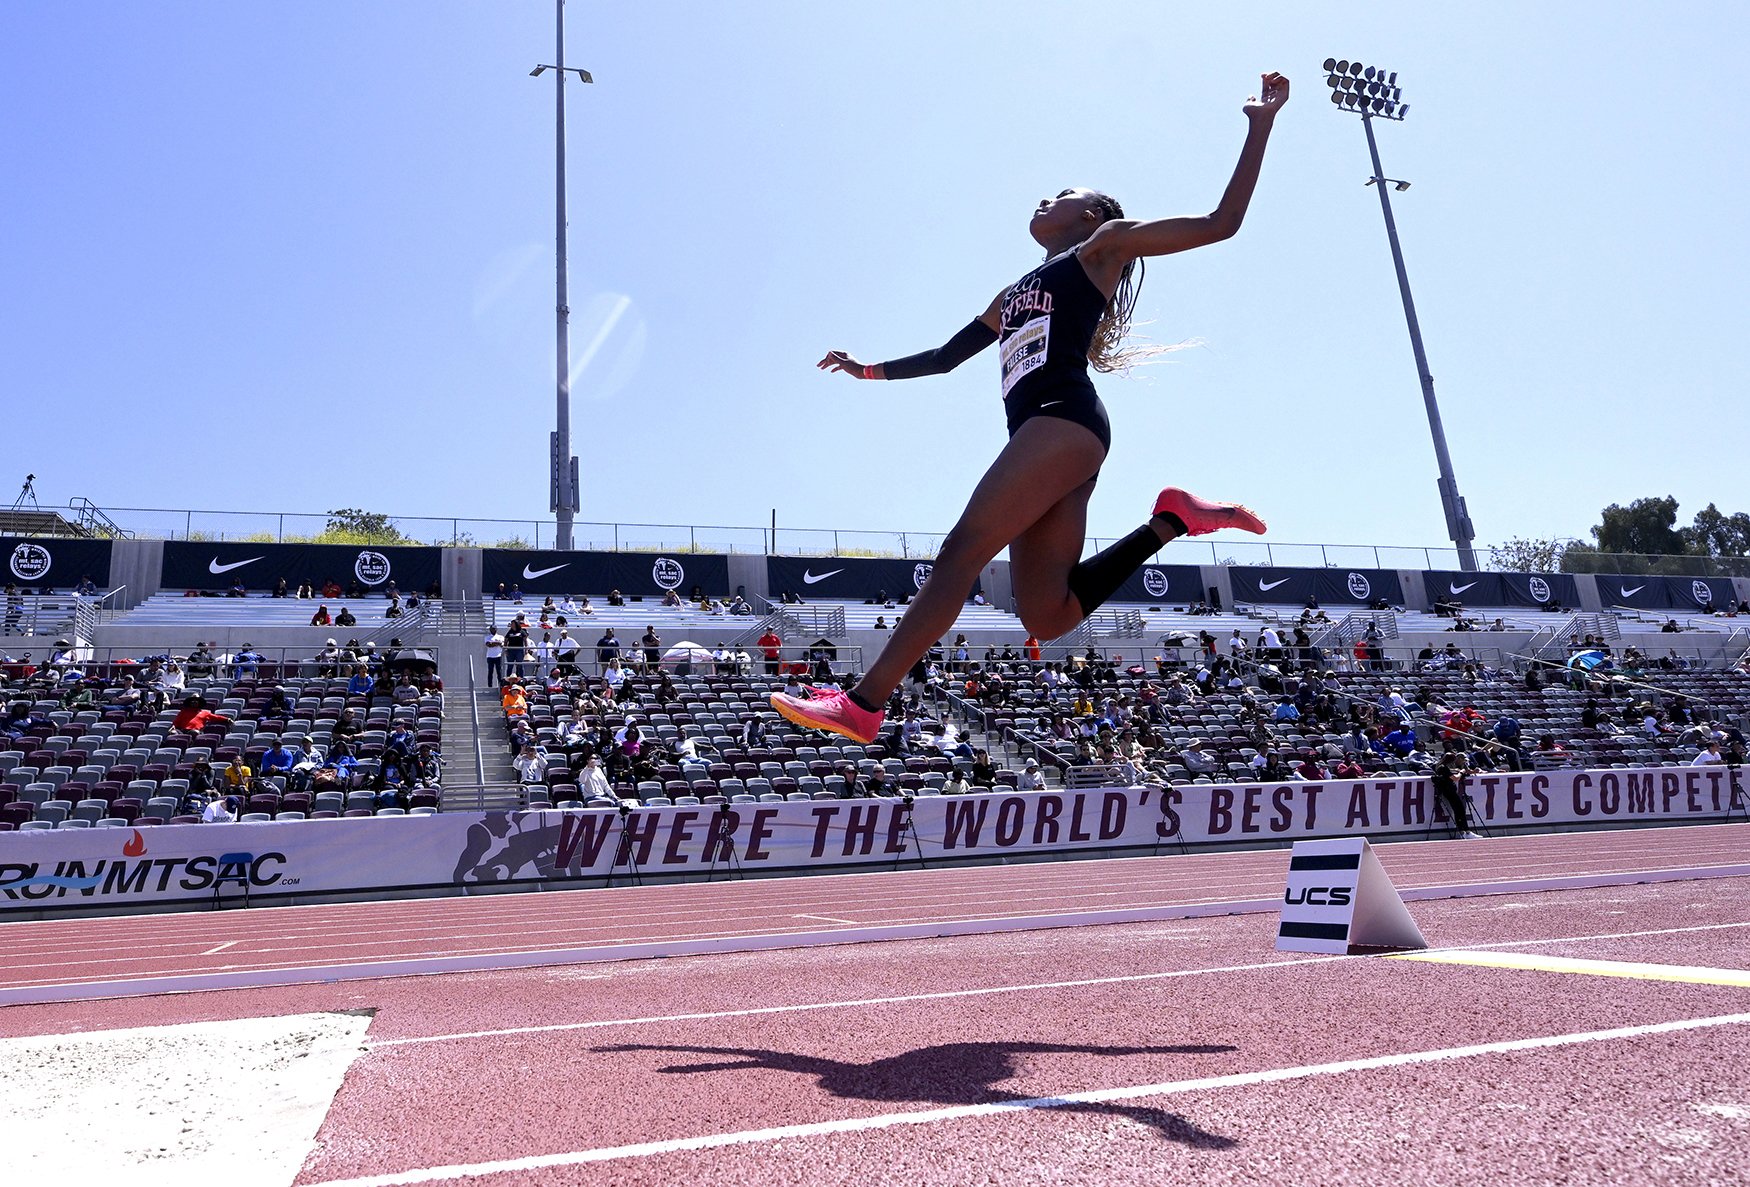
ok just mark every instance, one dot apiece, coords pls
pixel 563 497
pixel 1375 94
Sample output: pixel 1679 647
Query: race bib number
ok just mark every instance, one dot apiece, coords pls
pixel 1024 351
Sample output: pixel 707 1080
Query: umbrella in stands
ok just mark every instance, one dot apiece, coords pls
pixel 1585 660
pixel 413 659
pixel 683 655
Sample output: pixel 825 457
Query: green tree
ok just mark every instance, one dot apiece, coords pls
pixel 1523 555
pixel 352 526
pixel 1718 534
pixel 1646 526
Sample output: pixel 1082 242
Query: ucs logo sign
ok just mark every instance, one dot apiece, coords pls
pixel 667 573
pixel 1154 582
pixel 1319 896
pixel 1539 589
pixel 1359 587
pixel 920 573
pixel 31 562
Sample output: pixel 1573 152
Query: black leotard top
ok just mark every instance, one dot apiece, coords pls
pixel 1048 321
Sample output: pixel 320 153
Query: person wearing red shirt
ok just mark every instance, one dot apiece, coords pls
pixel 769 643
pixel 195 715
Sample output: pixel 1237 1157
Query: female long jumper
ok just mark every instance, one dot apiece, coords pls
pixel 1072 310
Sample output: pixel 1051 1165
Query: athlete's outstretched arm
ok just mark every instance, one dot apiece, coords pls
pixel 978 333
pixel 1119 241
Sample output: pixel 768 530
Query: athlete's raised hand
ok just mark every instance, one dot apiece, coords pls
pixel 1272 95
pixel 838 360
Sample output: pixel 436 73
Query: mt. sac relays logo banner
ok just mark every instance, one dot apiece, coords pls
pixel 371 567
pixel 30 562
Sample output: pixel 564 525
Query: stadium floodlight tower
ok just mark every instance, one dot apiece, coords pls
pixel 564 498
pixel 1374 93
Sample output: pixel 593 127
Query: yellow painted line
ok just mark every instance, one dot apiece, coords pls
pixel 1544 963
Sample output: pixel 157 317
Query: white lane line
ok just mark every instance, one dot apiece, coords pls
pixel 960 1112
pixel 995 989
pixel 825 918
pixel 1544 963
pixel 219 949
pixel 868 1001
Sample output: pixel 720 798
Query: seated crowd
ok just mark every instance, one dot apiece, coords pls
pixel 184 739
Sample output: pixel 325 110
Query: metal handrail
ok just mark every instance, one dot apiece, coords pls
pixel 474 714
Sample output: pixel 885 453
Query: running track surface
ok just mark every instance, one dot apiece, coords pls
pixel 1181 1050
pixel 128 955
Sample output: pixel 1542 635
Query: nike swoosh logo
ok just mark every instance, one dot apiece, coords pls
pixel 809 578
pixel 530 574
pixel 1626 592
pixel 1458 589
pixel 213 566
pixel 1273 584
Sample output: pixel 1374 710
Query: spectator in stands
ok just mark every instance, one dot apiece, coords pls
pixel 1349 767
pixel 983 772
pixel 344 618
pixel 278 760
pixel 238 589
pixel 770 644
pixel 1653 723
pixel 593 783
pixel 607 648
pixel 331 589
pixel 531 764
pixel 1310 770
pixel 672 599
pixel 516 644
pixel 1286 710
pixel 494 657
pixel 361 684
pixel 304 591
pixel 1400 741
pixel 1030 779
pixel 220 809
pixel 195 715
pixel 1709 756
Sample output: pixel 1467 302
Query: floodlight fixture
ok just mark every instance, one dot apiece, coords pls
pixel 1374 93
pixel 564 498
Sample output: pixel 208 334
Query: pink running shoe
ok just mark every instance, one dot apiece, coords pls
pixel 831 711
pixel 1200 516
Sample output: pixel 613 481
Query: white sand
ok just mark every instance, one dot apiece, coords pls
pixel 206 1102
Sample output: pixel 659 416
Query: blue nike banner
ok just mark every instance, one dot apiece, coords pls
pixel 1536 591
pixel 846 578
pixel 635 574
pixel 191 564
pixel 1329 587
pixel 1700 594
pixel 49 562
pixel 1181 585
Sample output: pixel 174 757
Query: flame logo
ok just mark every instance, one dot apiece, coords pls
pixel 136 846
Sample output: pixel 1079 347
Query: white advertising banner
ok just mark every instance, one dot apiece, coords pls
pixel 91 867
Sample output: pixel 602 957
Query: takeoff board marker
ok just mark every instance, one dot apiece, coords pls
pixel 1340 900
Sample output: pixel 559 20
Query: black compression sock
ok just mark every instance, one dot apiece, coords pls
pixel 1174 522
pixel 1098 578
pixel 860 703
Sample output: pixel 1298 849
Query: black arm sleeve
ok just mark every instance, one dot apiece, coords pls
pixel 962 346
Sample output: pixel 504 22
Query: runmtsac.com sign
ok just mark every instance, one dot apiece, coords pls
pixel 45 869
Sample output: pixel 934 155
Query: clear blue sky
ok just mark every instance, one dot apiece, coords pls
pixel 299 255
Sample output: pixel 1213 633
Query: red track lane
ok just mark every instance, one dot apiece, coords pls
pixel 514 1066
pixel 75 952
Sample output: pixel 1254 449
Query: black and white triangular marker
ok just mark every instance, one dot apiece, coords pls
pixel 1341 900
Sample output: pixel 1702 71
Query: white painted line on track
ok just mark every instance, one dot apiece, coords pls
pixel 1544 963
pixel 220 948
pixel 946 994
pixel 825 918
pixel 1069 1100
pixel 985 991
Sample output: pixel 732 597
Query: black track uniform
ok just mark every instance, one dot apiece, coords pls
pixel 1048 321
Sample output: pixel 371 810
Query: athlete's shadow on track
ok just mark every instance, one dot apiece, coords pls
pixel 947 1074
